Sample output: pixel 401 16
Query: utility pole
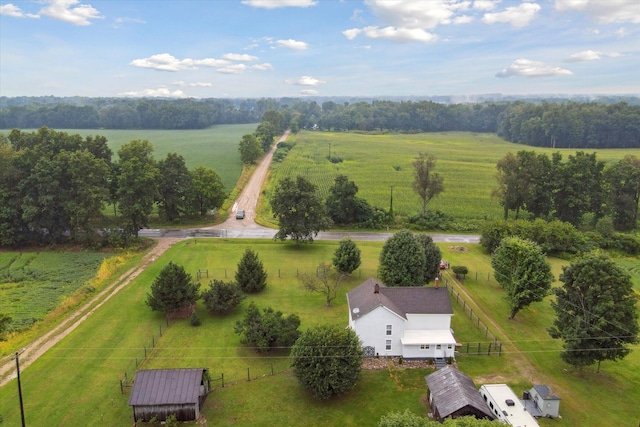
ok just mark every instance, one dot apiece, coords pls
pixel 17 358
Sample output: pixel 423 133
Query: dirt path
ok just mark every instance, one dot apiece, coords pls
pixel 38 347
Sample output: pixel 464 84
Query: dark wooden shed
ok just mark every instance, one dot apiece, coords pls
pixel 161 392
pixel 453 394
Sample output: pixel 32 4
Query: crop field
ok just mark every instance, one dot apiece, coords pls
pixel 215 147
pixel 380 164
pixel 77 381
pixel 34 283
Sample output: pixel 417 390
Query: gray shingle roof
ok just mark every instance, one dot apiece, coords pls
pixel 545 392
pixel 402 300
pixel 452 390
pixel 166 386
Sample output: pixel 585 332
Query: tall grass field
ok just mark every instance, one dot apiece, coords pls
pixel 215 147
pixel 77 382
pixel 381 165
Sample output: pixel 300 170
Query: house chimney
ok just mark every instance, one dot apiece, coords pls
pixel 437 282
pixel 376 289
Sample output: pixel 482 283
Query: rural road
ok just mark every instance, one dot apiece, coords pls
pixel 230 228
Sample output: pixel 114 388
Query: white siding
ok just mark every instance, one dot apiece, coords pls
pixel 372 330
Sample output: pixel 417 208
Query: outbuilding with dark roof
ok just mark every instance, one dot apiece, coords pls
pixel 161 392
pixel 453 394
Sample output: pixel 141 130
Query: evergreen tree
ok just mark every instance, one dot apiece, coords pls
pixel 172 290
pixel 222 297
pixel 251 276
pixel 346 258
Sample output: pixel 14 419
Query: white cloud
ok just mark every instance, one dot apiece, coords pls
pixel 11 10
pixel 485 4
pixel 262 67
pixel 239 57
pixel 605 12
pixel 590 55
pixel 232 69
pixel 392 33
pixel 518 16
pixel 167 62
pixel 119 22
pixel 308 92
pixel 305 81
pixel 463 19
pixel 66 10
pixel 192 84
pixel 622 32
pixel 527 68
pixel 154 93
pixel 272 4
pixel 416 14
pixel 293 44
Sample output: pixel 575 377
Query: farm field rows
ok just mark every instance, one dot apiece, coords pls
pixel 215 147
pixel 76 383
pixel 467 161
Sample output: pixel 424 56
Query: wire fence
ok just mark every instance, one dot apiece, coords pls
pixel 129 372
pixel 252 375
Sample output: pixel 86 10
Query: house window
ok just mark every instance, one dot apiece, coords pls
pixel 388 345
pixel 449 346
pixel 438 347
pixel 389 329
pixel 424 347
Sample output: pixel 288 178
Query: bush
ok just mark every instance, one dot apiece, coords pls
pixel 267 329
pixel 460 271
pixel 430 220
pixel 222 297
pixel 195 320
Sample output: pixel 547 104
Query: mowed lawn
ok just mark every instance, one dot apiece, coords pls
pixel 466 161
pixel 215 147
pixel 77 382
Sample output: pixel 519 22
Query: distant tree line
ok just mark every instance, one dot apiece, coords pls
pixel 547 124
pixel 55 187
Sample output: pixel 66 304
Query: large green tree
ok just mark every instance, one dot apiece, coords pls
pixel 172 290
pixel 299 210
pixel 327 360
pixel 174 186
pixel 251 275
pixel 343 207
pixel 137 185
pixel 623 182
pixel 523 271
pixel 426 183
pixel 267 329
pixel 250 149
pixel 207 191
pixel 432 257
pixel 402 261
pixel 596 313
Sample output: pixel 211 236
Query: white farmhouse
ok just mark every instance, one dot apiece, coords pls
pixel 412 322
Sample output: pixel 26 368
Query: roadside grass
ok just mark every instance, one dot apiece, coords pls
pixel 467 161
pixel 77 382
pixel 215 147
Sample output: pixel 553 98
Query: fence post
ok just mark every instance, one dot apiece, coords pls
pixel 248 375
pixel 153 341
pixel 470 313
pixel 489 352
pixel 223 380
pixel 476 276
pixel 136 363
pixel 486 333
pixel 272 369
pixel 500 350
pixel 121 388
pixel 467 348
pixel 478 348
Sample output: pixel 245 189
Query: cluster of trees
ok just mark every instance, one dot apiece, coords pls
pixel 552 189
pixel 252 146
pixel 571 125
pixel 54 187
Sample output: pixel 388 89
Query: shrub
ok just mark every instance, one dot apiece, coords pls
pixel 267 329
pixel 222 297
pixel 460 271
pixel 195 320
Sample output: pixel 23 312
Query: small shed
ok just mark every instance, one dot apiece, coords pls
pixel 453 394
pixel 161 392
pixel 541 402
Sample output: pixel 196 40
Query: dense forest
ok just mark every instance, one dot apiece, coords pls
pixel 557 124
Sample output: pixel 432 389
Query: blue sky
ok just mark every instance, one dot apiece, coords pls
pixel 275 48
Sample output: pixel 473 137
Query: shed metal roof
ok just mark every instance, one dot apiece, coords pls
pixel 402 300
pixel 166 387
pixel 452 390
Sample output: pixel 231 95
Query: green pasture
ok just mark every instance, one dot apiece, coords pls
pixel 215 147
pixel 78 381
pixel 376 163
pixel 32 284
